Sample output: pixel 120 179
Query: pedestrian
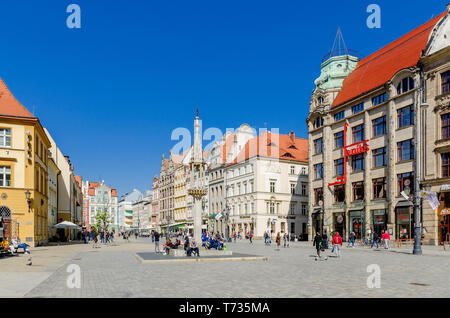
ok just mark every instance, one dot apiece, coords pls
pixel 234 236
pixel 136 235
pixel 336 241
pixel 284 240
pixel 351 240
pixel 288 239
pixel 278 240
pixel 251 237
pixel 385 237
pixel 153 236
pixel 157 243
pixel 374 239
pixel 318 243
pixel 324 240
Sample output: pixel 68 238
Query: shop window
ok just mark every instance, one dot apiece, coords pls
pixel 358 191
pixel 339 193
pixel 404 224
pixel 379 188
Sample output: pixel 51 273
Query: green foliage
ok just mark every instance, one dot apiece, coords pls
pixel 102 220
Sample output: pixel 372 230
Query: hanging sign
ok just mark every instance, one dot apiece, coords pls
pixel 340 219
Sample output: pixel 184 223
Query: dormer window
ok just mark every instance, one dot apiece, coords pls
pixel 405 85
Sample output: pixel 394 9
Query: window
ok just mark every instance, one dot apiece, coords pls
pixel 445 165
pixel 379 126
pixel 379 157
pixel 358 108
pixel 292 169
pixel 293 188
pixel 339 140
pixel 378 99
pixel 253 207
pixel 358 162
pixel 339 167
pixel 405 85
pixel 358 191
pixel 304 209
pixel 445 79
pixel 379 188
pixel 445 123
pixel 272 208
pixel 5 176
pixel 5 137
pixel 318 195
pixel 318 122
pixel 401 178
pixel 320 100
pixel 303 171
pixel 405 150
pixel 405 116
pixel 339 193
pixel 272 186
pixel 251 187
pixel 358 133
pixel 318 146
pixel 318 171
pixel 292 208
pixel 304 189
pixel 339 116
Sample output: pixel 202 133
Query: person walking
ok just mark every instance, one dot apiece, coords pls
pixel 278 240
pixel 351 240
pixel 157 250
pixel 336 241
pixel 386 237
pixel 153 237
pixel 234 236
pixel 288 239
pixel 374 239
pixel 250 236
pixel 318 243
pixel 284 240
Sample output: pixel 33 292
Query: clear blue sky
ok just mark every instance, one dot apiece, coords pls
pixel 111 92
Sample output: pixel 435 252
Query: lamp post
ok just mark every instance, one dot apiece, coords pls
pixel 28 196
pixel 227 232
pixel 414 198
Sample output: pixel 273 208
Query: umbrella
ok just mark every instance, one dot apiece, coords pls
pixel 67 225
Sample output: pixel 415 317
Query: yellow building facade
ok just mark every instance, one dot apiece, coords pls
pixel 23 172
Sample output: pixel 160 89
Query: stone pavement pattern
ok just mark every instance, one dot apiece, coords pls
pixel 292 272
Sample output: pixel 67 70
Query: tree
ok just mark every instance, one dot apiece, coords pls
pixel 102 219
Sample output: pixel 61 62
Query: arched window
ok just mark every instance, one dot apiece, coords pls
pixel 320 100
pixel 405 85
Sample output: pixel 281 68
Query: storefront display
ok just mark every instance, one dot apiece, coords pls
pixel 356 223
pixel 404 223
pixel 379 221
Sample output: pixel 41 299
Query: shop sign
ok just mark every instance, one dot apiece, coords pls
pixel 379 219
pixel 340 219
pixel 445 211
pixel 350 150
pixel 403 217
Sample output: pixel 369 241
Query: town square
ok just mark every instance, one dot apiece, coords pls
pixel 216 151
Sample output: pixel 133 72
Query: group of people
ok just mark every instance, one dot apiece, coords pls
pixel 286 237
pixel 189 245
pixel 92 235
pixel 213 240
pixel 321 241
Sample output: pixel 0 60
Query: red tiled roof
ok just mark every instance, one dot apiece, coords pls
pixel 9 105
pixel 93 185
pixel 275 146
pixel 78 180
pixel 379 67
pixel 226 147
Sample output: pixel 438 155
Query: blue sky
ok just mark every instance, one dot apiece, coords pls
pixel 111 92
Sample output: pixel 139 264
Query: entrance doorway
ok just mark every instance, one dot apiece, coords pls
pixel 5 224
pixel 317 222
pixel 356 224
pixel 339 223
pixel 444 233
pixel 379 221
pixel 404 223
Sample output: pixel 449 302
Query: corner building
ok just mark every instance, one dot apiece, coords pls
pixel 366 128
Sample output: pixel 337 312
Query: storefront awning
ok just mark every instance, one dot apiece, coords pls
pixel 404 203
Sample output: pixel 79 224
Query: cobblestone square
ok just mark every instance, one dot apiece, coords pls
pixel 113 271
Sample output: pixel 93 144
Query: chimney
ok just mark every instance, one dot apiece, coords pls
pixel 292 136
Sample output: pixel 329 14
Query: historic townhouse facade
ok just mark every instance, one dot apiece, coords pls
pixel 435 130
pixel 363 135
pixel 23 172
pixel 266 186
pixel 103 198
pixel 125 209
pixel 180 194
pixel 166 191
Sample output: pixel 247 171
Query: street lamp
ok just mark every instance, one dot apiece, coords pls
pixel 227 214
pixel 28 196
pixel 414 198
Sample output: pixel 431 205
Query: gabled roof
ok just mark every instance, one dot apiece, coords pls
pixel 9 105
pixel 93 185
pixel 274 146
pixel 379 67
